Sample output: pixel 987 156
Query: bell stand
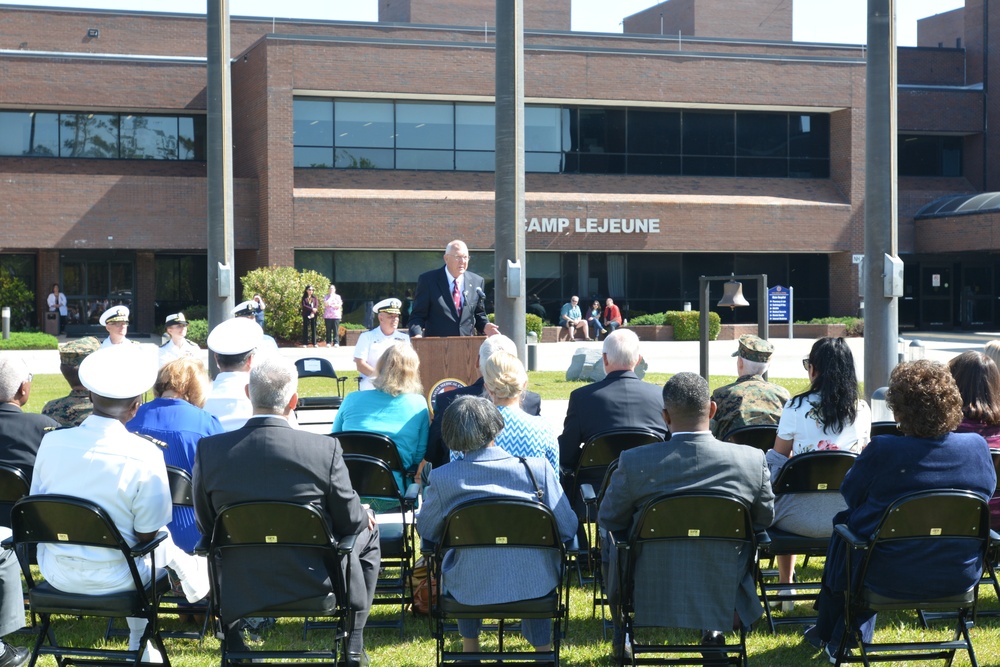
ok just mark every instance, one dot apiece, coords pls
pixel 704 283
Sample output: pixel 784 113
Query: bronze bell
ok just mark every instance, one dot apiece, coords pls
pixel 733 295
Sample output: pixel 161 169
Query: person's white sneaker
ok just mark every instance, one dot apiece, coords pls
pixel 151 655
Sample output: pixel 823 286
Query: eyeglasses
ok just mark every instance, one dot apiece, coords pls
pixel 460 258
pixel 805 363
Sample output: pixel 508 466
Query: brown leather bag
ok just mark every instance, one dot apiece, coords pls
pixel 424 587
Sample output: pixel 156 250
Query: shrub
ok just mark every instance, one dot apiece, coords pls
pixel 197 332
pixel 855 325
pixel 687 324
pixel 281 288
pixel 29 341
pixel 651 319
pixel 534 323
pixel 14 293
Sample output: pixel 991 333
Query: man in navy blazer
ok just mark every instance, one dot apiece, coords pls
pixel 437 453
pixel 434 311
pixel 621 400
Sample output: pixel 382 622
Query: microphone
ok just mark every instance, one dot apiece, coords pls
pixel 481 293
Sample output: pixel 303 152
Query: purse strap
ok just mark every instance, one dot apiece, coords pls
pixel 531 476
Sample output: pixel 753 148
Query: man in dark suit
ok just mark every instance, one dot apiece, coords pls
pixel 450 301
pixel 20 432
pixel 269 460
pixel 620 400
pixel 692 460
pixel 437 453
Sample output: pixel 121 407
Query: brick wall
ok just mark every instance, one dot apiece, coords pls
pixel 943 29
pixel 730 19
pixel 930 66
pixel 538 14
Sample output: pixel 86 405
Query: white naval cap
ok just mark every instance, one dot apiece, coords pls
pixel 120 371
pixel 390 305
pixel 236 336
pixel 245 309
pixel 114 314
pixel 176 318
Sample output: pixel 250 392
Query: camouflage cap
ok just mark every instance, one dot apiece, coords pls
pixel 73 352
pixel 754 348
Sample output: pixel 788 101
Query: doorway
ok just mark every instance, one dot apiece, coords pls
pixel 92 285
pixel 936 296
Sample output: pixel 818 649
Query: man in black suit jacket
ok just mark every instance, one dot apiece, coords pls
pixel 434 311
pixel 20 432
pixel 620 400
pixel 268 460
pixel 437 453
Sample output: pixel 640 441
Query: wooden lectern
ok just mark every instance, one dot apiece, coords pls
pixel 450 357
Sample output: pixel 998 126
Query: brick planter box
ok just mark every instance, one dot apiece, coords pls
pixel 734 331
pixel 351 336
pixel 653 332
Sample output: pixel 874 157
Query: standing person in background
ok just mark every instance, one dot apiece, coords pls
pixel 259 306
pixel 612 316
pixel 57 302
pixel 371 344
pixel 178 347
pixel 310 306
pixel 115 320
pixel 594 320
pixel 333 307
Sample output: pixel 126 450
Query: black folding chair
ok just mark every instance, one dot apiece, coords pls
pixel 917 520
pixel 65 520
pixel 311 367
pixel 499 523
pixel 14 485
pixel 279 527
pixel 885 428
pixel 592 501
pixel 367 443
pixel 372 478
pixel 712 523
pixel 803 474
pixel 759 437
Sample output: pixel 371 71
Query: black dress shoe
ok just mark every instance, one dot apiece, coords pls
pixel 358 659
pixel 14 656
pixel 714 638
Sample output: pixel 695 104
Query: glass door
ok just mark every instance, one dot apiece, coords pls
pixel 94 285
pixel 936 296
pixel 976 296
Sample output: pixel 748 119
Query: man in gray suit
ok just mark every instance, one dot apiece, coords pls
pixel 692 460
pixel 267 459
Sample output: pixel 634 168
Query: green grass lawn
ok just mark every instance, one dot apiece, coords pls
pixel 584 643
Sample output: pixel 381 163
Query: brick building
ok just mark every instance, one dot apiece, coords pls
pixel 703 141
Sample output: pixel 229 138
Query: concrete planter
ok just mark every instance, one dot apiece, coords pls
pixel 653 332
pixel 734 331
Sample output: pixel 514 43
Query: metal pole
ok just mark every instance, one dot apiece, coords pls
pixel 762 323
pixel 220 170
pixel 791 312
pixel 5 314
pixel 703 288
pixel 509 301
pixel 881 312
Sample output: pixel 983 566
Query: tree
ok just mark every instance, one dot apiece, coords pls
pixel 281 287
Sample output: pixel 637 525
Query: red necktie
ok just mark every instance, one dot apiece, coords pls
pixel 456 296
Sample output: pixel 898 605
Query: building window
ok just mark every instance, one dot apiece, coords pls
pixel 929 155
pixel 383 134
pixel 181 286
pixel 84 134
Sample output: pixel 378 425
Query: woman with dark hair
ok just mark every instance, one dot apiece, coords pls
pixel 310 306
pixel 927 406
pixel 828 415
pixel 978 381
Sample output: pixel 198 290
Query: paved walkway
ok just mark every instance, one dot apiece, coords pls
pixel 662 357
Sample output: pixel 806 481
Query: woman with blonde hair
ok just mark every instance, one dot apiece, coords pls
pixel 176 418
pixel 396 408
pixel 523 435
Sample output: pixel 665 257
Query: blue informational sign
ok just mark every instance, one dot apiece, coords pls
pixel 779 304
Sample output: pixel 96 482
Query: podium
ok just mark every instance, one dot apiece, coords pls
pixel 452 357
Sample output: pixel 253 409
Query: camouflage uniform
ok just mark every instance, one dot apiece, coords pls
pixel 70 410
pixel 749 401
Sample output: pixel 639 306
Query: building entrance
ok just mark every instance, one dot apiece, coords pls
pixel 94 284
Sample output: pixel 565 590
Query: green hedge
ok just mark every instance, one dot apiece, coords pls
pixel 687 326
pixel 197 332
pixel 855 325
pixel 29 341
pixel 648 319
pixel 532 322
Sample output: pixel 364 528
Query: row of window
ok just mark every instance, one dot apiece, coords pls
pixel 386 134
pixel 124 136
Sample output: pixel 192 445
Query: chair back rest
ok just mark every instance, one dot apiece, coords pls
pixel 13 483
pixel 180 486
pixel 759 436
pixel 501 522
pixel 694 516
pixel 935 514
pixel 271 523
pixel 995 455
pixel 885 428
pixel 367 443
pixel 64 520
pixel 371 477
pixel 814 472
pixel 309 367
pixel 601 449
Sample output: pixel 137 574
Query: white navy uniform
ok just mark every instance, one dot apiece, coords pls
pixel 371 345
pixel 228 399
pixel 170 351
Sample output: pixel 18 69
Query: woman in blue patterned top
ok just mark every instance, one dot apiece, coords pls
pixel 522 434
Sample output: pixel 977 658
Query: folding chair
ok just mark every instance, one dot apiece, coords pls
pixel 915 521
pixel 65 520
pixel 367 443
pixel 499 523
pixel 710 525
pixel 885 428
pixel 803 474
pixel 595 457
pixel 760 436
pixel 309 367
pixel 259 527
pixel 14 485
pixel 592 501
pixel 372 478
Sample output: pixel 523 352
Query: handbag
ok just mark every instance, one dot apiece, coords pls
pixel 425 588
